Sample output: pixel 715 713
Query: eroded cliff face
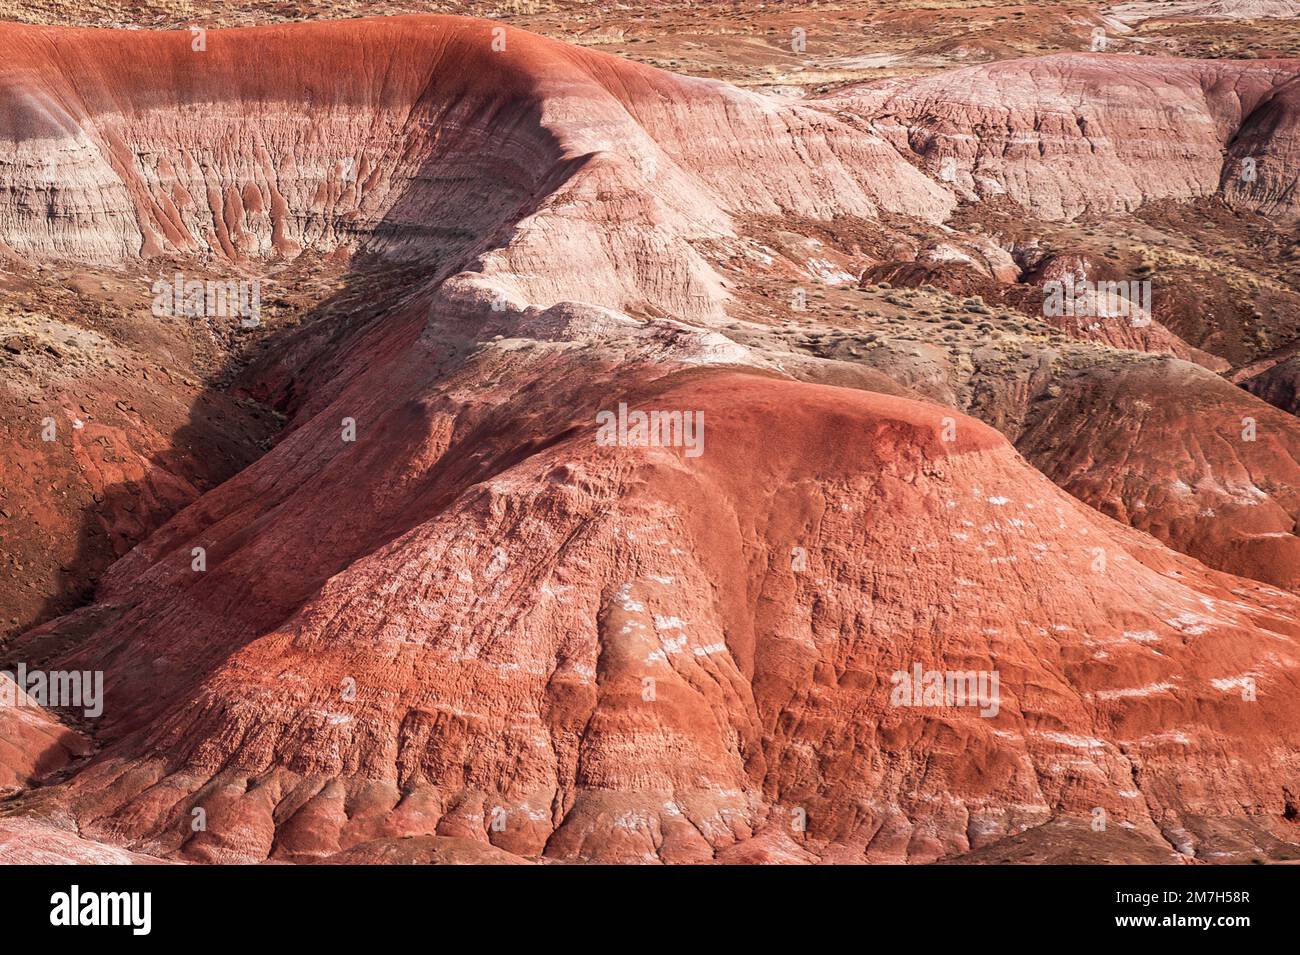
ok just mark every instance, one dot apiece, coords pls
pixel 321 152
pixel 428 138
pixel 1077 132
pixel 442 607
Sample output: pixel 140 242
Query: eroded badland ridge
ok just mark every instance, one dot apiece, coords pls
pixel 829 433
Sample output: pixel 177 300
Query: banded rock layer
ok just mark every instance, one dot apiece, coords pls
pixel 478 627
pixel 1078 132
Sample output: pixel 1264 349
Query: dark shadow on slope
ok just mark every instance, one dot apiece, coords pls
pixel 301 345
